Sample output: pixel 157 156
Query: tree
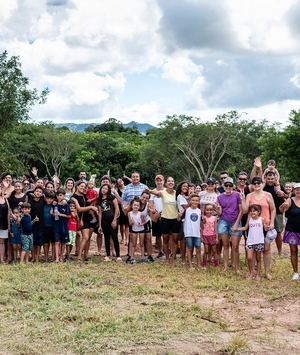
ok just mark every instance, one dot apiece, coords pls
pixel 16 99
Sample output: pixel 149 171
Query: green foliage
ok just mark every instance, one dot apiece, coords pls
pixel 16 99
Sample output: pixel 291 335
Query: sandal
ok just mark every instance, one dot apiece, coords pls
pixel 106 259
pixel 119 260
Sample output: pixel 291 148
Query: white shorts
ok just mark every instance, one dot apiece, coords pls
pixel 4 233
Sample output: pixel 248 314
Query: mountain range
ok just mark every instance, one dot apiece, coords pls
pixel 80 127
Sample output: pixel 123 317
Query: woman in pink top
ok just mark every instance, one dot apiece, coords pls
pixel 268 212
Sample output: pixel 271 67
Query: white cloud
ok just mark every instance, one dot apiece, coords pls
pixel 178 69
pixel 229 54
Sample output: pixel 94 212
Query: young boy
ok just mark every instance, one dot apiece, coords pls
pixel 191 228
pixel 37 203
pixel 60 227
pixel 72 226
pixel 26 232
pixel 48 223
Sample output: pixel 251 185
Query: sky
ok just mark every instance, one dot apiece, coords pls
pixel 140 60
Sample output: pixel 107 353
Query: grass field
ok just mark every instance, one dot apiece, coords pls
pixel 110 308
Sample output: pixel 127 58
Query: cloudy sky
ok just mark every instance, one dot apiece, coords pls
pixel 144 59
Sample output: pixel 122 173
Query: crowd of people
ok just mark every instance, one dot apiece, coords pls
pixel 41 220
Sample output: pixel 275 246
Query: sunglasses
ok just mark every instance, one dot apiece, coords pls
pixel 241 179
pixel 222 178
pixel 256 183
pixel 228 185
pixel 25 183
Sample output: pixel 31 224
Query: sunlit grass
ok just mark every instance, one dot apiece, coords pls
pixel 109 308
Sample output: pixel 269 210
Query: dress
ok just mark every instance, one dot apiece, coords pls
pixel 292 229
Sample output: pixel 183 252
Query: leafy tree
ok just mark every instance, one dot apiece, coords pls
pixel 16 99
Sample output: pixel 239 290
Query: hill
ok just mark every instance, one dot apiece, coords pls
pixel 80 127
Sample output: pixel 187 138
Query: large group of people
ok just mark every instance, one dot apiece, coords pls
pixel 43 217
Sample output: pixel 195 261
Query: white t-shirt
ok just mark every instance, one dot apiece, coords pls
pixel 256 232
pixel 192 222
pixel 157 202
pixel 181 200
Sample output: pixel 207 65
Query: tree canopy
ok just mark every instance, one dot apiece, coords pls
pixel 16 98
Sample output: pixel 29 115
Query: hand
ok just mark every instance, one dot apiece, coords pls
pixel 271 226
pixel 36 219
pixel 257 162
pixel 34 171
pixel 114 224
pixel 93 176
pixel 94 208
pixel 100 230
pixel 234 229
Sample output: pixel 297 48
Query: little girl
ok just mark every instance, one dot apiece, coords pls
pixel 15 232
pixel 255 240
pixel 136 226
pixel 209 235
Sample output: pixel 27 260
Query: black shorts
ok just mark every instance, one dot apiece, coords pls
pixel 169 225
pixel 48 235
pixel 156 230
pixel 147 227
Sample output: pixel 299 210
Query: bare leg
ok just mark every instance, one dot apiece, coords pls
pixel 183 250
pixel 166 239
pixel 174 246
pixel 294 257
pixel 250 263
pixel 278 241
pixel 99 242
pixel 267 260
pixel 190 256
pixel 235 242
pixel 258 263
pixel 225 242
pixel 2 250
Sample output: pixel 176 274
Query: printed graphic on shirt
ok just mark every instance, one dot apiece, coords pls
pixel 194 217
pixel 104 206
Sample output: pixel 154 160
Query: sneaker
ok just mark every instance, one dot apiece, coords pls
pixel 119 260
pixel 128 260
pixel 295 276
pixel 143 261
pixel 107 258
pixel 132 261
pixel 160 254
pixel 94 220
pixel 150 258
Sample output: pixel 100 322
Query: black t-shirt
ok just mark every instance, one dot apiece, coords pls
pixel 14 201
pixel 107 207
pixel 37 209
pixel 277 200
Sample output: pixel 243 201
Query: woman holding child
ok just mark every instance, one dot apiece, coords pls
pixel 83 208
pixel 268 212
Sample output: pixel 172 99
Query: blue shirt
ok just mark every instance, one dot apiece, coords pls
pixel 133 190
pixel 61 225
pixel 26 225
pixel 48 218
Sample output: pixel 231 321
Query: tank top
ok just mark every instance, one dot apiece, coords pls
pixel 137 218
pixel 3 215
pixel 264 204
pixel 256 231
pixel 209 228
pixel 293 216
pixel 144 213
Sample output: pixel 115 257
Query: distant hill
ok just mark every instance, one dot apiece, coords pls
pixel 80 127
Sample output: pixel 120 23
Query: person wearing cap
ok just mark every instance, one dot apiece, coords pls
pixel 229 209
pixel 278 194
pixel 223 176
pixel 291 235
pixel 155 207
pixel 268 212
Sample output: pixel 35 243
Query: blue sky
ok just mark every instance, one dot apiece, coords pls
pixel 144 59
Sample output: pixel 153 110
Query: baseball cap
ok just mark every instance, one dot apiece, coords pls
pixel 271 235
pixel 256 179
pixel 159 177
pixel 297 185
pixel 211 180
pixel 228 180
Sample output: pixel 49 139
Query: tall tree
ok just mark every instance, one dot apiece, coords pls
pixel 16 99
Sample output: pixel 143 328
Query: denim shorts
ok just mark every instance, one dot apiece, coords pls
pixel 224 228
pixel 193 242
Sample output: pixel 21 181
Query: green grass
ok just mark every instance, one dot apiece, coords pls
pixel 109 308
